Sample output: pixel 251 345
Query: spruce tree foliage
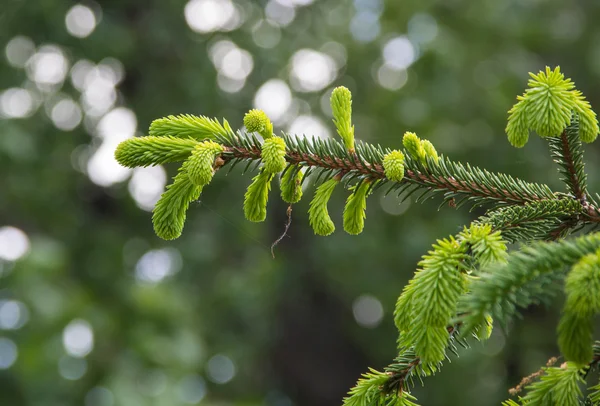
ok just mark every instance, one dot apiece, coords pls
pixel 467 282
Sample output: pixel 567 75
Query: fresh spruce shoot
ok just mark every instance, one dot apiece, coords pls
pixel 466 282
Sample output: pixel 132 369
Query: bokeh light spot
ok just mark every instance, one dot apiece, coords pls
pixel 71 368
pixel 156 265
pixel 146 186
pixel 309 126
pixel 99 396
pixel 280 14
pixel 18 51
pixel 312 70
pixel 16 103
pixel 365 26
pixel 80 21
pixel 220 369
pixel 422 28
pixel 204 16
pixel 368 311
pixel 8 353
pixel 274 98
pixel 191 389
pixel 47 67
pixel 399 53
pixel 391 79
pixel 14 243
pixel 13 314
pixel 66 115
pixel 78 338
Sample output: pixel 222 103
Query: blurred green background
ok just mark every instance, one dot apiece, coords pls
pixel 95 310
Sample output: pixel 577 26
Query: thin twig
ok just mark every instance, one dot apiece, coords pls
pixel 288 223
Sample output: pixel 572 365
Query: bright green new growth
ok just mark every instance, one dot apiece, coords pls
pixel 199 166
pixel 189 126
pixel 257 121
pixel 256 197
pixel 148 151
pixel 430 151
pixel 170 211
pixel 487 246
pixel 291 185
pixel 547 108
pixel 273 154
pixel 413 146
pixel 341 106
pixel 318 216
pixel 465 280
pixel 368 392
pixel 575 330
pixel 431 299
pixel 557 386
pixel 354 211
pixel 393 165
pixel 429 302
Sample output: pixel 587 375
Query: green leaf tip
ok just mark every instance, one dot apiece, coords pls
pixel 354 211
pixel 200 165
pixel 257 121
pixel 547 107
pixel 341 106
pixel 147 151
pixel 273 154
pixel 318 215
pixel 257 196
pixel 190 126
pixel 291 184
pixel 169 213
pixel 393 165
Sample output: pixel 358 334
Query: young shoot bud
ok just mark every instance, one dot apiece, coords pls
pixel 257 121
pixel 354 211
pixel 256 197
pixel 393 165
pixel 413 146
pixel 430 151
pixel 273 154
pixel 318 216
pixel 169 213
pixel 199 165
pixel 341 106
pixel 291 185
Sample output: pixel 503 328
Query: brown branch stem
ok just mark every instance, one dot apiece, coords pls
pixel 376 171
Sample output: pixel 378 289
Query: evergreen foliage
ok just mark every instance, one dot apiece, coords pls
pixel 465 281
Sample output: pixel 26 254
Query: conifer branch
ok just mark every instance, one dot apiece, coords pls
pixel 451 179
pixel 463 280
pixel 567 152
pixel 534 221
pixel 502 288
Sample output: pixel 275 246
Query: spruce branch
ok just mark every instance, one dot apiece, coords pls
pixel 502 288
pixel 449 178
pixel 535 220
